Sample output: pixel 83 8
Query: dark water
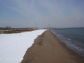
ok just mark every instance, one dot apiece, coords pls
pixel 72 37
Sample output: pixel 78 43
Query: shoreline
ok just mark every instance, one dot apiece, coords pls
pixel 47 48
pixel 64 45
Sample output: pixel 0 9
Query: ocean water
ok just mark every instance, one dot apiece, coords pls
pixel 72 37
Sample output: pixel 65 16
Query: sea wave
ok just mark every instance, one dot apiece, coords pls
pixel 72 44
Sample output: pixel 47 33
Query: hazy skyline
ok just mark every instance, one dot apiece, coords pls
pixel 42 13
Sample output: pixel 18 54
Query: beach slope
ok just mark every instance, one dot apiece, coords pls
pixel 47 48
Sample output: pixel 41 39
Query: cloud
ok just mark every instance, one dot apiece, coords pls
pixel 46 13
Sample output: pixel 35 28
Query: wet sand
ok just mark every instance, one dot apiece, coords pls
pixel 47 48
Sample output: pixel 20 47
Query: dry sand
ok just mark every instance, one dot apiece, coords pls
pixel 48 49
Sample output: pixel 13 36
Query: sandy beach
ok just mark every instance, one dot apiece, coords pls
pixel 47 48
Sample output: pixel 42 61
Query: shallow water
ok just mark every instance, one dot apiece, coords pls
pixel 72 37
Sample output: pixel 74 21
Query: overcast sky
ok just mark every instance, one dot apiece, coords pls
pixel 42 13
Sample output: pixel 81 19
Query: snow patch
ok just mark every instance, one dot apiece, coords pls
pixel 14 46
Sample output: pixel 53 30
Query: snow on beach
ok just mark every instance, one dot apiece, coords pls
pixel 14 46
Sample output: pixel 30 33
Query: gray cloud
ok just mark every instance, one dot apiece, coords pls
pixel 58 14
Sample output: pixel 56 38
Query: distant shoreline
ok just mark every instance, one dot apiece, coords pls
pixel 14 30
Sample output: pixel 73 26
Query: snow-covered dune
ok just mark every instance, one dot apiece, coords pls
pixel 14 46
